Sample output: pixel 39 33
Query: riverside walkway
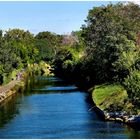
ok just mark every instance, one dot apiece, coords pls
pixel 6 88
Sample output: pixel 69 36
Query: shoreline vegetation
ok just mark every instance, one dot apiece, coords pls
pixel 102 57
pixel 18 84
pixel 112 103
pixel 107 60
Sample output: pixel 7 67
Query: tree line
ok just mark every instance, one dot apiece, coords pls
pixel 108 49
pixel 105 50
pixel 18 48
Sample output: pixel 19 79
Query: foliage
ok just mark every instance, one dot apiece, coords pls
pixel 47 43
pixel 17 49
pixel 41 68
pixel 8 61
pixel 62 55
pixel 65 60
pixel 23 43
pixel 132 84
pixel 110 38
pixel 106 49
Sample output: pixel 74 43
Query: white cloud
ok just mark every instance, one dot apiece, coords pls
pixel 135 1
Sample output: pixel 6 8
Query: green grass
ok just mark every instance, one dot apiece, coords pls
pixel 109 97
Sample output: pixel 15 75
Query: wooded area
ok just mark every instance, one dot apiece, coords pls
pixel 105 50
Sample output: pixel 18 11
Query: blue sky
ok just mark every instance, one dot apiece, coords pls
pixel 59 17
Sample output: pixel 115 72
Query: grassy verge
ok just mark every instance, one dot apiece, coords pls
pixel 111 97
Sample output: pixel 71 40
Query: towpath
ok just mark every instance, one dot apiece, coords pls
pixel 7 87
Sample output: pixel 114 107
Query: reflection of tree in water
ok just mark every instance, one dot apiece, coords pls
pixel 35 82
pixel 40 82
pixel 8 110
pixel 134 133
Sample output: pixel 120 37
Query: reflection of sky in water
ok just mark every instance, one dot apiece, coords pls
pixel 59 116
pixel 62 88
pixel 55 79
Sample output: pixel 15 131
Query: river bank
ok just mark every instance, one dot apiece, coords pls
pixel 20 85
pixel 19 80
pixel 112 101
pixel 6 91
pixel 56 109
pixel 112 105
pixel 17 85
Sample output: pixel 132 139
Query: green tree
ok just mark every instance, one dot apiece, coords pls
pixel 132 84
pixel 24 45
pixel 47 44
pixel 8 61
pixel 110 37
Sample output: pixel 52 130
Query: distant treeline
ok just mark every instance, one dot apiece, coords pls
pixel 105 50
pixel 18 48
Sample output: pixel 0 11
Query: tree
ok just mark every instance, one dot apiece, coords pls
pixel 7 60
pixel 132 84
pixel 23 43
pixel 110 37
pixel 47 44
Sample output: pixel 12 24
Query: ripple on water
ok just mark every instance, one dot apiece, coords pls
pixel 56 115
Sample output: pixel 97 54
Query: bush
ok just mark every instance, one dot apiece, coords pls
pixel 132 85
pixel 39 69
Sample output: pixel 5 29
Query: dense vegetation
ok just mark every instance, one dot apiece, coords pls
pixel 105 50
pixel 108 50
pixel 19 49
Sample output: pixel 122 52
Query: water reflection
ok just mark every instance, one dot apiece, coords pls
pixel 8 110
pixel 56 115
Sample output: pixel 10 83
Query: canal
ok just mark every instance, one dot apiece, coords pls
pixel 54 108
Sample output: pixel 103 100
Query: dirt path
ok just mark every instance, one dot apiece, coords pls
pixel 4 89
pixel 8 86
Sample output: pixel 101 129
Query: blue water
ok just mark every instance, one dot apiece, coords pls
pixel 56 109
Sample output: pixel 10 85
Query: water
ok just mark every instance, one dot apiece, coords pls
pixel 55 109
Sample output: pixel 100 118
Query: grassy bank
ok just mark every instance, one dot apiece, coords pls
pixel 112 97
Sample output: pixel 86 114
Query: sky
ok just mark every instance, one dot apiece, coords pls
pixel 60 17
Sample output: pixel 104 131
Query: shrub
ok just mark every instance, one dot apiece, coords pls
pixel 132 85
